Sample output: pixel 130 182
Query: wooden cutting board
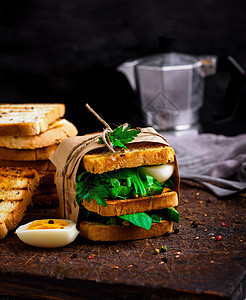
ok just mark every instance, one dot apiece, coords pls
pixel 196 265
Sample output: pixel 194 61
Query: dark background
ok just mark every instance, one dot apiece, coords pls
pixel 68 51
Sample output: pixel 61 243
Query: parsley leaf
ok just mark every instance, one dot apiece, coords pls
pixel 156 218
pixel 171 214
pixel 118 184
pixel 139 219
pixel 98 193
pixel 168 183
pixel 131 176
pixel 120 136
pixel 89 187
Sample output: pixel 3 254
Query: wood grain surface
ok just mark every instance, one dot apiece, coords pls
pixel 195 266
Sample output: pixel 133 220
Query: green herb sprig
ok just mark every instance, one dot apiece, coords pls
pixel 120 136
pixel 118 184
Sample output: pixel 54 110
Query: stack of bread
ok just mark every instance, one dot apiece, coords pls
pixel 17 186
pixel 29 135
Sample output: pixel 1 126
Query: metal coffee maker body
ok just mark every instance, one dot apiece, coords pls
pixel 171 88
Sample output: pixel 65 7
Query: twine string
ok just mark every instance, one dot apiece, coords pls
pixel 105 137
pixel 98 117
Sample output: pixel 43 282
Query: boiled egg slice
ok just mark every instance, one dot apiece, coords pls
pixel 48 233
pixel 160 172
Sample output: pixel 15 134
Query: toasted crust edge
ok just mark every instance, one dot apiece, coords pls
pixel 43 153
pixel 32 128
pixel 56 132
pixel 14 216
pixel 137 154
pixel 39 165
pixel 3 230
pixel 167 199
pixel 109 233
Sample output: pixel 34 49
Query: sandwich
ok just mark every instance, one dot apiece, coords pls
pixel 120 184
pixel 128 194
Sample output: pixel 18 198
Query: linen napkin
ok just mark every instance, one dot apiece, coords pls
pixel 213 155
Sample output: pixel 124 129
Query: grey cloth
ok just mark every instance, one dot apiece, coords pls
pixel 213 155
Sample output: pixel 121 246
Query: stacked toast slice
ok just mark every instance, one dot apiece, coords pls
pixel 17 186
pixel 28 119
pixel 29 135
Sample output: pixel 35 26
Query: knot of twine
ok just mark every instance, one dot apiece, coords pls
pixel 106 131
pixel 105 134
pixel 105 137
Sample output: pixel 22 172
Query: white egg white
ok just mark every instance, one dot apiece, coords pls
pixel 161 172
pixel 48 238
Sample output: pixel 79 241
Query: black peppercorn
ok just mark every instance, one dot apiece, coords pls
pixel 51 222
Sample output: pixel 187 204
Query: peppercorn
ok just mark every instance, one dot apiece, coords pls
pixel 164 259
pixel 218 238
pixel 51 222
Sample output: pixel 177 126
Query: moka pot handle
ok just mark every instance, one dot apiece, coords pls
pixel 234 88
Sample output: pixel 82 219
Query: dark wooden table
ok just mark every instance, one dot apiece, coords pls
pixel 195 266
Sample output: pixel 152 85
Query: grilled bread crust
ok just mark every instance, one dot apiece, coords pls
pixel 99 232
pixel 46 194
pixel 28 119
pixel 56 132
pixel 47 200
pixel 167 198
pixel 10 178
pixel 17 186
pixel 39 165
pixel 136 154
pixel 3 230
pixel 27 155
pixel 46 178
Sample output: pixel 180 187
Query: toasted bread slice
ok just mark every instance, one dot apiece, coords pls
pixel 56 132
pixel 18 178
pixel 48 200
pixel 40 165
pixel 136 154
pixel 99 232
pixel 3 230
pixel 27 155
pixel 46 178
pixel 28 119
pixel 12 212
pixel 45 194
pixel 16 189
pixel 168 198
pixel 46 189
